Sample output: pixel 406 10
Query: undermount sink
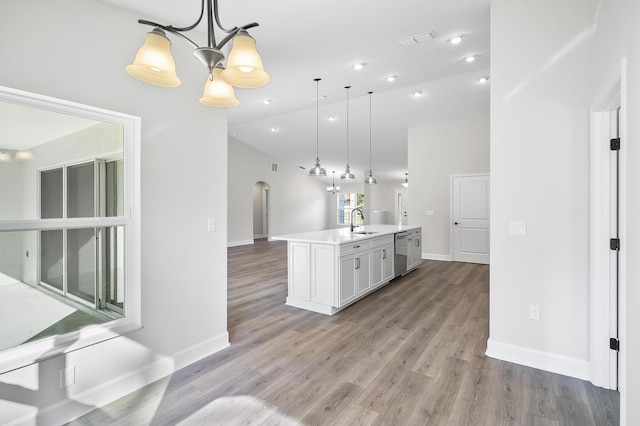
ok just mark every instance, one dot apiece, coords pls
pixel 365 232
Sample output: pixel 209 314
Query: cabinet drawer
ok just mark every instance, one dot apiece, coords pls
pixel 354 246
pixel 381 241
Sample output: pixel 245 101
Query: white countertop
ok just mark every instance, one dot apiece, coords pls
pixel 344 235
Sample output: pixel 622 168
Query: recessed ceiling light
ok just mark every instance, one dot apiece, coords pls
pixel 273 129
pixel 267 101
pixel 456 39
pixel 483 79
pixel 331 118
pixel 417 93
pixel 392 78
pixel 471 58
pixel 359 66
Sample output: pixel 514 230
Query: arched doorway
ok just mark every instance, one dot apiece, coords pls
pixel 260 210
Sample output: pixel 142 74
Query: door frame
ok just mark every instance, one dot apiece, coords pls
pixel 451 207
pixel 405 199
pixel 606 367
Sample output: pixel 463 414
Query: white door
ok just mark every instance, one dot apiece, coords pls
pixel 470 214
pixel 402 207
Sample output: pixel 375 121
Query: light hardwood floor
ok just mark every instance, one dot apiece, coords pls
pixel 411 353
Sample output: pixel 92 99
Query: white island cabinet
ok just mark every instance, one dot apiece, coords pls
pixel 329 270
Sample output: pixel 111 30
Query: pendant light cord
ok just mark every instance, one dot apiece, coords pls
pixel 370 93
pixel 317 80
pixel 347 87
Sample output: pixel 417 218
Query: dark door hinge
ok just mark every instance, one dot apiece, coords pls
pixel 614 344
pixel 614 243
pixel 615 144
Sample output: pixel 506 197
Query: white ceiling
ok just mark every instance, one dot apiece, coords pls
pixel 300 40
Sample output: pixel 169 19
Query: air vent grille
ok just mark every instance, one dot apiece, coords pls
pixel 414 40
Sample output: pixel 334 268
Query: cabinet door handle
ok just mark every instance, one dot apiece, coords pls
pixel 357 263
pixel 417 243
pixel 384 253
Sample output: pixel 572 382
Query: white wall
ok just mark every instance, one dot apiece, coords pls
pixel 540 105
pixel 437 151
pixel 298 202
pixel 77 51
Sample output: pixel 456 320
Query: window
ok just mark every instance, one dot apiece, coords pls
pixel 346 203
pixel 69 226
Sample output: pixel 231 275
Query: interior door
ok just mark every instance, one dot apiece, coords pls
pixel 470 214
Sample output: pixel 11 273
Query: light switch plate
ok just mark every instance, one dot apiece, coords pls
pixel 518 228
pixel 211 225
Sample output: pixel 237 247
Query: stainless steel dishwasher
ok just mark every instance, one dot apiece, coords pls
pixel 401 246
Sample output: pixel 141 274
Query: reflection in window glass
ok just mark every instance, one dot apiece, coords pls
pixel 51 260
pixel 51 194
pixel 80 193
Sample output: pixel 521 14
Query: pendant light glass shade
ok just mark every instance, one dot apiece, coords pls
pixel 244 64
pixel 370 180
pixel 347 175
pixel 154 63
pixel 317 170
pixel 218 93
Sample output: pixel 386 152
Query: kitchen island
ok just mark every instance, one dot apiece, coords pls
pixel 331 269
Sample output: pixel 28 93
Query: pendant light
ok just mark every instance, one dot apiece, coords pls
pixel 333 188
pixel 317 170
pixel 370 180
pixel 347 175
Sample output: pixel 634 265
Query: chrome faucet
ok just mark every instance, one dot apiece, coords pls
pixel 353 219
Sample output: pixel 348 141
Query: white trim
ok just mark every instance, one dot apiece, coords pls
pixel 568 366
pixel 239 243
pixel 602 311
pixel 85 402
pixel 201 350
pixel 435 256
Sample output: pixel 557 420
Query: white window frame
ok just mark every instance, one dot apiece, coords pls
pixel 31 353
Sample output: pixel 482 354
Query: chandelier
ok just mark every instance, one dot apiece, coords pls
pixel 333 188
pixel 154 63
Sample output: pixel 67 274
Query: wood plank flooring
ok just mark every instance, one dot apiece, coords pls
pixel 411 353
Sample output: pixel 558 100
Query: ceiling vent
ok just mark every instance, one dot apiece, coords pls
pixel 417 39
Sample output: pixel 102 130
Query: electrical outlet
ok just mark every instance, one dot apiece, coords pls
pixel 67 376
pixel 534 312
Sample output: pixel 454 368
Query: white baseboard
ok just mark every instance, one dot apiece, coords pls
pixel 547 361
pixel 105 393
pixel 434 256
pixel 239 243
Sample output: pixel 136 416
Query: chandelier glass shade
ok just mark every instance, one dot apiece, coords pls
pixel 347 175
pixel 217 92
pixel 154 63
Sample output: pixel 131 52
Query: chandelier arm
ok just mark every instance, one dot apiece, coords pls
pixel 169 28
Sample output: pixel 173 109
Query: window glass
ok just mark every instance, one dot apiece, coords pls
pixel 346 203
